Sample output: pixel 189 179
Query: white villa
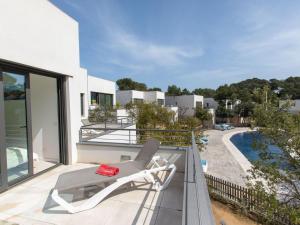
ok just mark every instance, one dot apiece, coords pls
pixel 44 94
pixel 295 105
pixel 95 91
pixel 126 96
pixel 186 103
pixel 210 103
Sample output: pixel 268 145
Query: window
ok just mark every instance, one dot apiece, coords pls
pixel 102 99
pixel 160 101
pixel 137 100
pixel 198 104
pixel 82 103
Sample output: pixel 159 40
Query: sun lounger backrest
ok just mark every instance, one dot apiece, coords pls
pixel 148 151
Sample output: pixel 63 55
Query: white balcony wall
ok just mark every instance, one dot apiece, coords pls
pixel 125 136
pixel 38 34
pixel 113 153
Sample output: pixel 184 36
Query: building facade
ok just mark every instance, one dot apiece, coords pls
pixel 95 92
pixel 133 96
pixel 210 103
pixel 43 91
pixel 186 104
pixel 294 105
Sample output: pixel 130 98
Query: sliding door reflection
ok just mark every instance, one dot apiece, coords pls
pixel 15 125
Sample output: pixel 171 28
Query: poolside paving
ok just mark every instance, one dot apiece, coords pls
pixel 221 162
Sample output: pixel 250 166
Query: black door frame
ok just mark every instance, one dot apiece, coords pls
pixel 6 66
pixel 3 162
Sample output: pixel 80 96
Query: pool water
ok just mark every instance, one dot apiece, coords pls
pixel 245 143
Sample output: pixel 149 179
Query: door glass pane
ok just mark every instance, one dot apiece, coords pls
pixel 15 125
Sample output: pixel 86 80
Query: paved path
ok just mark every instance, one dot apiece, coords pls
pixel 221 162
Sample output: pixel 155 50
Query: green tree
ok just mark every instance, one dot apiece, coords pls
pixel 154 89
pixel 278 179
pixel 129 84
pixel 150 115
pixel 173 90
pixel 202 114
pixel 185 92
pixel 205 92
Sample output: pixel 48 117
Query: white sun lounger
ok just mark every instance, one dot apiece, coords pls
pixel 129 171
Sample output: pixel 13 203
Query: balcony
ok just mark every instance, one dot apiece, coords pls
pixel 185 201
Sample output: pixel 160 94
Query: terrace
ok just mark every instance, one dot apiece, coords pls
pixel 185 201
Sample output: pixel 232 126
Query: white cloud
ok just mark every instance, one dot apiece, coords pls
pixel 151 53
pixel 270 38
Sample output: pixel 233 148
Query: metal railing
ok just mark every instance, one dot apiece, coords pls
pixel 196 203
pixel 121 121
pixel 134 136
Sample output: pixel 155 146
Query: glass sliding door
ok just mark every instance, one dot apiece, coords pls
pixel 2 135
pixel 15 122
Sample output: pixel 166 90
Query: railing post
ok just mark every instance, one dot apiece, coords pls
pixel 80 135
pixel 129 137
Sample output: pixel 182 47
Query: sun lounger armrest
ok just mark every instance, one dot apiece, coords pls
pixel 156 159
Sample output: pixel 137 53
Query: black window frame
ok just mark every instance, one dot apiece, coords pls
pixel 82 104
pixel 103 100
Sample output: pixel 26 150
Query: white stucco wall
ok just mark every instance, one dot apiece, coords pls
pixel 110 153
pixel 126 96
pixel 123 97
pixel 97 84
pixel 210 103
pixel 125 136
pixel 137 94
pixel 38 34
pixel 295 108
pixel 83 88
pixel 173 109
pixel 160 95
pixel 185 103
pixel 153 96
pixel 150 96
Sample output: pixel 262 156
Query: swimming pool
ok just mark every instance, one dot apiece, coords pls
pixel 244 142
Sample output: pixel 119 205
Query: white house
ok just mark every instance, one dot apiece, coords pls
pixel 295 105
pixel 230 104
pixel 210 103
pixel 95 91
pixel 186 103
pixel 126 96
pixel 155 96
pixel 43 91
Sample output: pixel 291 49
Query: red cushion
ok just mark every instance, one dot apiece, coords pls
pixel 106 170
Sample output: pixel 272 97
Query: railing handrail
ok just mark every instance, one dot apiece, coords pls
pixel 197 207
pixel 132 129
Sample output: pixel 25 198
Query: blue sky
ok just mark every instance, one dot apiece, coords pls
pixel 188 43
